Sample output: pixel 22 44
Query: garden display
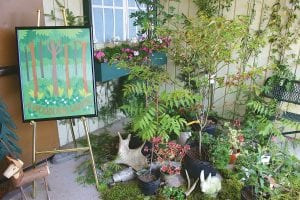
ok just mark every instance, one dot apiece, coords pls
pixel 186 148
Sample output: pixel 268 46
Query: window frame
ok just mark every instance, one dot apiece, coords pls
pixel 88 15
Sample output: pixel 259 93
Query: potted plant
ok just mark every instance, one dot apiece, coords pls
pixel 150 20
pixel 235 138
pixel 169 155
pixel 148 51
pixel 105 69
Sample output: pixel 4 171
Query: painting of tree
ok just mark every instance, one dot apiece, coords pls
pixel 52 84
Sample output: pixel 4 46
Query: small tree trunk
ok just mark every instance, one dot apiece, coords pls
pixel 85 85
pixel 67 67
pixel 35 82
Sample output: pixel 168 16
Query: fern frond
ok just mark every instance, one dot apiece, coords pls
pixel 290 124
pixel 262 108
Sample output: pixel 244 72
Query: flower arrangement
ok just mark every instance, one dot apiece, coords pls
pixel 109 52
pixel 169 155
pixel 135 51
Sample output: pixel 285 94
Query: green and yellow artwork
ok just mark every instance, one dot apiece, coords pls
pixel 56 72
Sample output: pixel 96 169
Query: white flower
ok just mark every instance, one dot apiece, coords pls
pixel 136 53
pixel 134 40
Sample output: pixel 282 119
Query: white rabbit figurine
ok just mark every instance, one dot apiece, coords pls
pixel 210 186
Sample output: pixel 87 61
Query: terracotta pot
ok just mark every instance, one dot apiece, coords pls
pixel 234 156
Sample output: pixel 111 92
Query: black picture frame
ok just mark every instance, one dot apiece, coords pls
pixel 56 72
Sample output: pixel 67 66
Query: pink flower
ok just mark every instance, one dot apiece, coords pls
pixel 99 55
pixel 164 168
pixel 156 140
pixel 241 138
pixel 145 49
pixel 237 123
pixel 146 149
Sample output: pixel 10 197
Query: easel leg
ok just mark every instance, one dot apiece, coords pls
pixel 23 193
pixel 46 188
pixel 71 121
pixel 83 119
pixel 33 123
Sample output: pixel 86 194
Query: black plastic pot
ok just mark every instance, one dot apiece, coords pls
pixel 194 166
pixel 210 129
pixel 149 183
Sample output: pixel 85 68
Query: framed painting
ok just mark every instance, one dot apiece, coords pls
pixel 56 72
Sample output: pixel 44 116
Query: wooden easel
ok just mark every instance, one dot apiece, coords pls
pixel 75 149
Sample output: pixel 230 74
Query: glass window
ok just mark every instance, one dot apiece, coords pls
pixel 109 24
pixel 98 25
pixel 97 2
pixel 108 2
pixel 119 3
pixel 131 3
pixel 119 25
pixel 111 20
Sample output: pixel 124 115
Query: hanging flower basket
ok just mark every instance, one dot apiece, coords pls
pixel 106 72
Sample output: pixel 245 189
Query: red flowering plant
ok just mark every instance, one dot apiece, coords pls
pixel 169 154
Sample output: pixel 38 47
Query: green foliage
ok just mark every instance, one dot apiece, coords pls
pixel 231 186
pixel 7 136
pixel 212 7
pixel 282 76
pixel 154 16
pixel 218 149
pixel 266 109
pixel 105 149
pixel 209 44
pixel 198 195
pixel 121 191
pixel 283 30
pixel 208 41
pixel 173 193
pixel 283 168
pixel 72 19
pixel 159 114
pixel 109 107
pixel 108 53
